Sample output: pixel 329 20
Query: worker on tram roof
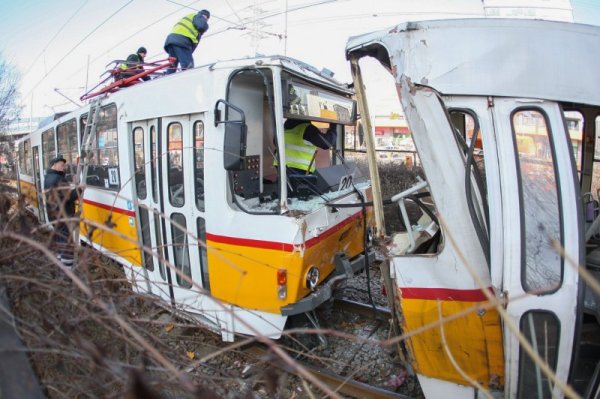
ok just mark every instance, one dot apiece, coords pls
pixel 133 65
pixel 184 38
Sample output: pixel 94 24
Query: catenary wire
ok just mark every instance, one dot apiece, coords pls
pixel 236 25
pixel 77 45
pixel 54 37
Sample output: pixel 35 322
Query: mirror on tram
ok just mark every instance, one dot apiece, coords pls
pixel 234 148
pixel 234 144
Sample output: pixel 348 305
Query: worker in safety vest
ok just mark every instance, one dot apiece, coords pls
pixel 184 38
pixel 133 65
pixel 301 141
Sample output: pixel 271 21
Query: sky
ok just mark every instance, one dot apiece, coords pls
pixel 60 47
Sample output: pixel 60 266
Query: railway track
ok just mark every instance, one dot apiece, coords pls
pixel 361 308
pixel 337 372
pixel 336 382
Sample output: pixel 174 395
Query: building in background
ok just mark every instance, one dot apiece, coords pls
pixel 554 10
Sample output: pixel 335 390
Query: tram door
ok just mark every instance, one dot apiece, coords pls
pixel 152 277
pixel 38 183
pixel 540 283
pixel 182 195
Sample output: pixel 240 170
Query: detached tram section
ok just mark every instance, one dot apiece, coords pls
pixel 494 284
pixel 183 190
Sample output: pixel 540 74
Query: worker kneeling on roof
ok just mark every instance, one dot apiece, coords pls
pixel 133 65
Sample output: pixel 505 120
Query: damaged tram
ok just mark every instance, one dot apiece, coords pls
pixel 493 283
pixel 188 173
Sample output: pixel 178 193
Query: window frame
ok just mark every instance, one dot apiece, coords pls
pixel 199 172
pixel 46 151
pixel 107 118
pixel 550 137
pixel 170 154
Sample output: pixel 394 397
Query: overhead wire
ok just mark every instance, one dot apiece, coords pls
pixel 380 15
pixel 54 37
pixel 236 26
pixel 195 9
pixel 233 10
pixel 100 55
pixel 276 13
pixel 77 45
pixel 239 26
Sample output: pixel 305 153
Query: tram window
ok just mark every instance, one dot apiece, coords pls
pixel 66 137
pixel 175 162
pixel 255 187
pixel 596 167
pixel 21 149
pixel 541 218
pixel 27 158
pixel 146 242
pixel 199 164
pixel 48 146
pixel 201 229
pixel 180 249
pixel 466 124
pixel 158 235
pixel 574 122
pixel 153 163
pixel 542 330
pixel 22 159
pixel 139 162
pixel 103 170
pixel 82 123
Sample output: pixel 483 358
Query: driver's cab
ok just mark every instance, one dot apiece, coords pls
pixel 261 101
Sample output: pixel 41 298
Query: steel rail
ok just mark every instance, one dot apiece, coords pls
pixel 360 308
pixel 340 384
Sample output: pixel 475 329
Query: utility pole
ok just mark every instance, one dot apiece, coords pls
pixel 87 73
pixel 285 34
pixel 256 34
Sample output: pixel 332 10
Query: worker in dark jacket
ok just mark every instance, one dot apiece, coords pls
pixel 301 141
pixel 60 205
pixel 133 65
pixel 184 38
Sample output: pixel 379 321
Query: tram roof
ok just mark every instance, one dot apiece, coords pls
pixel 291 64
pixel 492 56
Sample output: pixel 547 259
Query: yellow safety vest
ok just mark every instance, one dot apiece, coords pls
pixel 185 27
pixel 299 153
pixel 125 65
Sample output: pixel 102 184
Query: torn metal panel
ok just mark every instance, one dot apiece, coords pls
pixel 493 57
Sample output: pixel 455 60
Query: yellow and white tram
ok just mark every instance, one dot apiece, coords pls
pixel 489 282
pixel 183 166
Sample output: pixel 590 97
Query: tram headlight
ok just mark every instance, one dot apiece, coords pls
pixel 312 278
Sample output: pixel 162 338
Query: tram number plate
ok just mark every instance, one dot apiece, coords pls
pixel 345 182
pixel 113 176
